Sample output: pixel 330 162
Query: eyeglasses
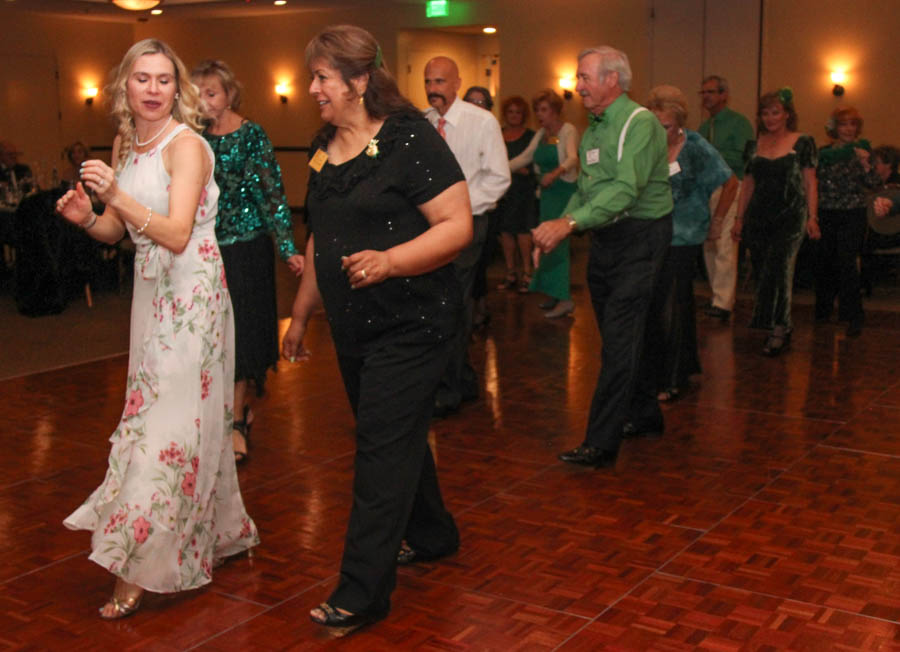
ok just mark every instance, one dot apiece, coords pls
pixel 708 92
pixel 478 102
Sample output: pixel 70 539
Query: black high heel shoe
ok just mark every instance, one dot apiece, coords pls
pixel 243 427
pixel 343 622
pixel 777 342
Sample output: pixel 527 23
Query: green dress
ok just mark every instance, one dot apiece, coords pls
pixel 774 226
pixel 552 275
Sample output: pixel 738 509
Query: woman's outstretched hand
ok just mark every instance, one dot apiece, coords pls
pixel 75 205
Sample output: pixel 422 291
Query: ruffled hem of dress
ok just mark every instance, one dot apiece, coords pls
pixel 85 518
pixel 341 179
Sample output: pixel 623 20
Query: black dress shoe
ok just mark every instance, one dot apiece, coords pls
pixel 442 410
pixel 718 313
pixel 589 456
pixel 408 556
pixel 634 430
pixel 550 304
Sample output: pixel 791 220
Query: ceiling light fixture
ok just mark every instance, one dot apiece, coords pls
pixel 156 12
pixel 136 5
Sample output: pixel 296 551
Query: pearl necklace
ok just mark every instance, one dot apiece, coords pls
pixel 155 136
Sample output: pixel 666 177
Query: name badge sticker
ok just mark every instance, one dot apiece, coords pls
pixel 592 156
pixel 674 168
pixel 318 160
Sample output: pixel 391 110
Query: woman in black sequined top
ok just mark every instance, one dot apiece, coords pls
pixel 252 209
pixel 388 210
pixel 845 175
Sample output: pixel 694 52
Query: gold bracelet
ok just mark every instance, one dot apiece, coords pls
pixel 149 215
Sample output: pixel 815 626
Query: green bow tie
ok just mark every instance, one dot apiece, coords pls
pixel 595 119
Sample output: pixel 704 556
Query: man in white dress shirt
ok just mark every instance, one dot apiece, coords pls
pixel 474 137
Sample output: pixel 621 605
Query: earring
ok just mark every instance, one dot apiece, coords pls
pixel 177 95
pixel 362 100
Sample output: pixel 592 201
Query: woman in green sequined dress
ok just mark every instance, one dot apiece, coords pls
pixel 252 208
pixel 554 150
pixel 778 206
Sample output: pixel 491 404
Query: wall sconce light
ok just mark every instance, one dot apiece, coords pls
pixel 838 78
pixel 567 84
pixel 283 90
pixel 90 94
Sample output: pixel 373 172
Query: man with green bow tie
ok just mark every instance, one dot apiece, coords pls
pixel 625 202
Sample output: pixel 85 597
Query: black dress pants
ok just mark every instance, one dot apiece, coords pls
pixel 459 380
pixel 395 487
pixel 836 267
pixel 671 325
pixel 623 267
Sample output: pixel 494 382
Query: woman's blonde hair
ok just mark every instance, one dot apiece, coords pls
pixel 186 108
pixel 669 99
pixel 217 68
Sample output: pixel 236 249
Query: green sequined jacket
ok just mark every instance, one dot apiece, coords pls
pixel 251 199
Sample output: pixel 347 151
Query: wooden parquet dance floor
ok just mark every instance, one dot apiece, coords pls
pixel 766 518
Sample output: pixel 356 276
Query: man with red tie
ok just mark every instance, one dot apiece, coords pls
pixel 474 137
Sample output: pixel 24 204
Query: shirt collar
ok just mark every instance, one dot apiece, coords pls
pixel 452 114
pixel 612 111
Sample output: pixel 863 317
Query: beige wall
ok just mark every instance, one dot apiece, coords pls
pixel 83 52
pixel 538 43
pixel 805 41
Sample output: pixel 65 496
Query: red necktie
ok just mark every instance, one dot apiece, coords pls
pixel 441 123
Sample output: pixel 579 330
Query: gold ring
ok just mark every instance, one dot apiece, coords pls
pixel 363 273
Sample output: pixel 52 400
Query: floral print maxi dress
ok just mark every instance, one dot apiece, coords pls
pixel 170 503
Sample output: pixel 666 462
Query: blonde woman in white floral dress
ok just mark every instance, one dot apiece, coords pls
pixel 170 505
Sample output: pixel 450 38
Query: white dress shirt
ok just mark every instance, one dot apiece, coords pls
pixel 474 137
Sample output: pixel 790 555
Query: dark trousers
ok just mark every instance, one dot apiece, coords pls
pixel 459 379
pixel 395 485
pixel 835 264
pixel 624 264
pixel 491 242
pixel 671 325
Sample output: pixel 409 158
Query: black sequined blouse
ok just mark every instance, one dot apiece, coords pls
pixel 370 202
pixel 251 194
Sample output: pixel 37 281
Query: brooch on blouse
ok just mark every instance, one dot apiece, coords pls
pixel 372 148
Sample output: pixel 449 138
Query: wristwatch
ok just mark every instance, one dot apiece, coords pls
pixel 573 225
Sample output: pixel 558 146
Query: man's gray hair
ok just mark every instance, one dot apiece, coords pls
pixel 720 81
pixel 611 60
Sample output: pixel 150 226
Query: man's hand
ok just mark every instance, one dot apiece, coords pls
pixel 550 233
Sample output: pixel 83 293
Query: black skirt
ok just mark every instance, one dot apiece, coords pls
pixel 250 272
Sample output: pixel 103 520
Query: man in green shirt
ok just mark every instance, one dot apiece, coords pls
pixel 728 131
pixel 623 198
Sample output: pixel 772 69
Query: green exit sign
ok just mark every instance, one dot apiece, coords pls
pixel 435 8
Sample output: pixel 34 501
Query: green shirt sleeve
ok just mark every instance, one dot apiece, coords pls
pixel 268 193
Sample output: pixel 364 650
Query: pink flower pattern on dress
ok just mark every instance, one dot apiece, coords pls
pixel 205 380
pixel 142 529
pixel 208 250
pixel 173 456
pixel 189 484
pixel 134 403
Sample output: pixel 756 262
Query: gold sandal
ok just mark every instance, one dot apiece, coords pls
pixel 122 608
